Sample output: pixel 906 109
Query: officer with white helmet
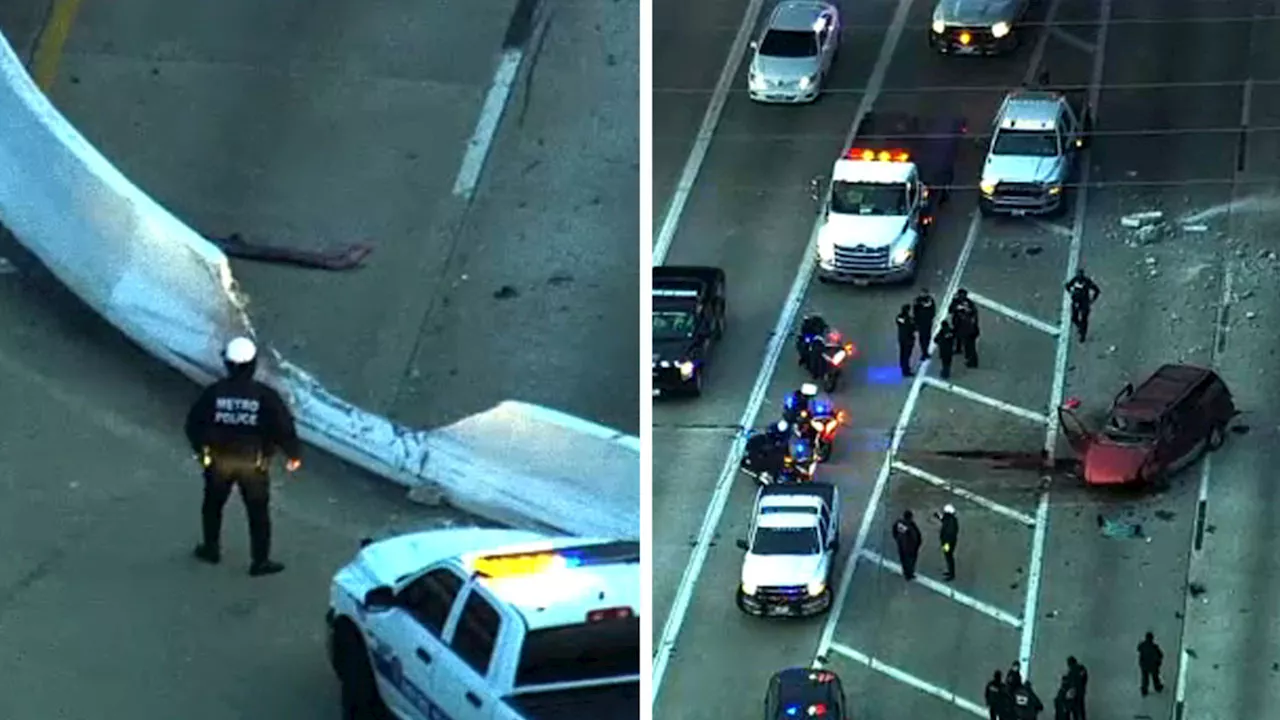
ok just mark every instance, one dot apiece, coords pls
pixel 234 428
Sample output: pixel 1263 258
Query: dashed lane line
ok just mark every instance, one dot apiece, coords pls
pixel 907 678
pixel 946 590
pixel 981 399
pixel 1013 314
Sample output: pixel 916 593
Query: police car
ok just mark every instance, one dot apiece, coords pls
pixel 488 624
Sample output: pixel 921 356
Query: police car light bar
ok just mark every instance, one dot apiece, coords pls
pixel 675 293
pixel 502 565
pixel 869 155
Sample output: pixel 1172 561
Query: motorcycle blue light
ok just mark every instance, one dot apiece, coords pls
pixel 821 407
pixel 789 402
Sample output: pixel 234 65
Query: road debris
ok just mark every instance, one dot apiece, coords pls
pixel 1142 219
pixel 1196 589
pixel 506 292
pixel 342 258
pixel 1119 529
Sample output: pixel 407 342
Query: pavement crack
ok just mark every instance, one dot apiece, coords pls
pixel 541 38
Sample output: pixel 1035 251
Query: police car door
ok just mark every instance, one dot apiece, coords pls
pixel 474 637
pixel 411 673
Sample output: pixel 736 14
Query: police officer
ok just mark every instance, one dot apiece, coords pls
pixel 964 316
pixel 1013 678
pixel 906 339
pixel 948 534
pixel 906 535
pixel 234 427
pixel 1076 682
pixel 924 311
pixel 1026 704
pixel 1084 293
pixel 946 342
pixel 1150 657
pixel 811 326
pixel 1061 707
pixel 996 696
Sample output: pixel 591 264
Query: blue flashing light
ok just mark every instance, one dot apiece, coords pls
pixel 793 710
pixel 789 402
pixel 884 375
pixel 821 407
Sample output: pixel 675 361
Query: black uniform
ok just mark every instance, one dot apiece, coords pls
pixel 1076 684
pixel 236 425
pixel 810 326
pixel 997 698
pixel 948 534
pixel 924 311
pixel 1026 704
pixel 1061 708
pixel 1084 293
pixel 1150 657
pixel 906 534
pixel 964 315
pixel 946 342
pixel 906 339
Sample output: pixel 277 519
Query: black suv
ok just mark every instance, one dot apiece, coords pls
pixel 688 319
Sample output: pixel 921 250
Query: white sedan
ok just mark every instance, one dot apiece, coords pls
pixel 794 54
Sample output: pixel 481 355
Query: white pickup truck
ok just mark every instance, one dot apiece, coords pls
pixel 485 624
pixel 794 536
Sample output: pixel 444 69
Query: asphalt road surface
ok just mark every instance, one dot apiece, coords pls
pixel 103 613
pixel 323 124
pixel 1037 578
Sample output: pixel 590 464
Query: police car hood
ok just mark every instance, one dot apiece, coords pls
pixel 1022 168
pixel 968 13
pixel 874 231
pixel 775 570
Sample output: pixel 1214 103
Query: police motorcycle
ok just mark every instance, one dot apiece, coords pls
pixel 822 351
pixel 814 418
pixel 779 455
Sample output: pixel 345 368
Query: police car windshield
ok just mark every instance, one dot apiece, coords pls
pixel 789 44
pixel 1025 143
pixel 672 324
pixel 869 199
pixel 574 653
pixel 786 541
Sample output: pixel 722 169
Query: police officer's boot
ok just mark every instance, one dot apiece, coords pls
pixel 265 567
pixel 207 553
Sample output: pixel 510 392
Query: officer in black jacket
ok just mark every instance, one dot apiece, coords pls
pixel 946 341
pixel 948 534
pixel 964 317
pixel 906 535
pixel 234 428
pixel 997 698
pixel 906 339
pixel 924 311
pixel 1084 293
pixel 1077 685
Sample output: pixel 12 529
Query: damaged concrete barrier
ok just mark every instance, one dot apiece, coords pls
pixel 171 292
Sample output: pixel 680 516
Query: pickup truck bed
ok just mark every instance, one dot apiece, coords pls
pixel 615 702
pixel 932 142
pixel 822 490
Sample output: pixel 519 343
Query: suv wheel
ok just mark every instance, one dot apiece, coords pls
pixel 1217 436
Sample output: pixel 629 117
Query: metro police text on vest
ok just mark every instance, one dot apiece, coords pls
pixel 236 411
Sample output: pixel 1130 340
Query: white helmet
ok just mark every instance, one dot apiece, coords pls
pixel 240 351
pixel 949 509
pixel 808 390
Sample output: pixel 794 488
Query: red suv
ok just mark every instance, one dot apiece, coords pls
pixel 1171 420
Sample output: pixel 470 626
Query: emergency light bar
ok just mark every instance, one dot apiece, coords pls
pixel 675 293
pixel 818 710
pixel 504 565
pixel 869 155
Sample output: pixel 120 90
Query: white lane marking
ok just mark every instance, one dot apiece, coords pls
pixel 969 495
pixel 706 132
pixel 1037 54
pixel 1246 103
pixel 1018 315
pixel 1036 566
pixel 495 104
pixel 826 641
pixel 1035 569
pixel 909 679
pixel 1180 691
pixel 1052 228
pixel 987 400
pixel 790 308
pixel 946 590
pixel 895 442
pixel 1074 41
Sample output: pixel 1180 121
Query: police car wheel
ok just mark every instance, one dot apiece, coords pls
pixel 360 698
